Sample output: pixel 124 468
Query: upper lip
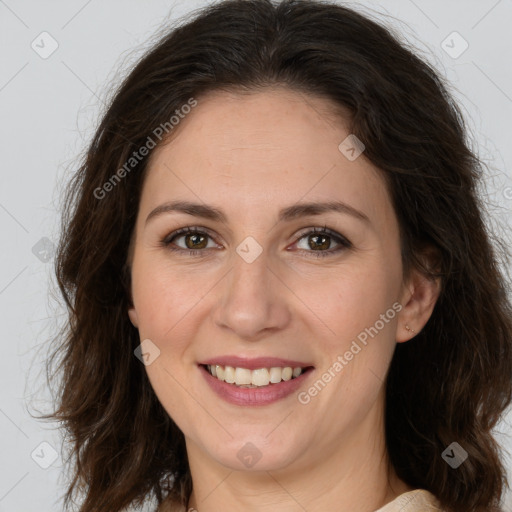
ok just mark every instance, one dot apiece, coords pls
pixel 254 363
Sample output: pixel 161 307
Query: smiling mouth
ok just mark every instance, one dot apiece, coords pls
pixel 258 378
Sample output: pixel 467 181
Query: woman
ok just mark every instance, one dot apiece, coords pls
pixel 281 290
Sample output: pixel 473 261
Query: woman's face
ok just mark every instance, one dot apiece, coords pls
pixel 262 290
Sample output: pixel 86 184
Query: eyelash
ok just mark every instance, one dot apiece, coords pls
pixel 194 230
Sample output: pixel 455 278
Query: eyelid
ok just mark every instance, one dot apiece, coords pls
pixel 167 243
pixel 342 241
pixel 185 231
pixel 322 229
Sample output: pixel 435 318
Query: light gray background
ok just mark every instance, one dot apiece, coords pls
pixel 49 108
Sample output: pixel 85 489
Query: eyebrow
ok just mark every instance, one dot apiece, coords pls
pixel 286 214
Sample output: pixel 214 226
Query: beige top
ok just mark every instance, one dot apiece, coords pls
pixel 418 500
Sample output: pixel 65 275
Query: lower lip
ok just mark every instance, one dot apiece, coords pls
pixel 254 396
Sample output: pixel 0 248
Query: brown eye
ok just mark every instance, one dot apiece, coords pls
pixel 319 240
pixel 194 241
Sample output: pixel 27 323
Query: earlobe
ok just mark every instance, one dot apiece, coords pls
pixel 420 299
pixel 133 317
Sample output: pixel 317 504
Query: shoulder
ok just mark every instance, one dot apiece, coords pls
pixel 418 500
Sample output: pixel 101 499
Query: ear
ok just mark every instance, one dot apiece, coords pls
pixel 132 313
pixel 127 282
pixel 418 298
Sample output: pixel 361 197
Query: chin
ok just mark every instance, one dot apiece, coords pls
pixel 256 452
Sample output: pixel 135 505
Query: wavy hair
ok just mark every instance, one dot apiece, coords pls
pixel 451 383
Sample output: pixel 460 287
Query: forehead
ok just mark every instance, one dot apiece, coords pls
pixel 274 146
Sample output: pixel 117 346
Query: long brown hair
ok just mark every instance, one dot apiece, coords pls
pixel 451 383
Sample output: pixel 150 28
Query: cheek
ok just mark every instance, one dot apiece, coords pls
pixel 163 298
pixel 358 298
pixel 164 302
pixel 361 315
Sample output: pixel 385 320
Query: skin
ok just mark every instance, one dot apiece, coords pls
pixel 251 155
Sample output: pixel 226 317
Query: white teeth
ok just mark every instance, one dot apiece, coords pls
pixel 275 375
pixel 287 373
pixel 229 374
pixel 244 377
pixel 260 377
pixel 220 372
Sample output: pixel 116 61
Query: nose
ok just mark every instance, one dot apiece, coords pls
pixel 253 300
